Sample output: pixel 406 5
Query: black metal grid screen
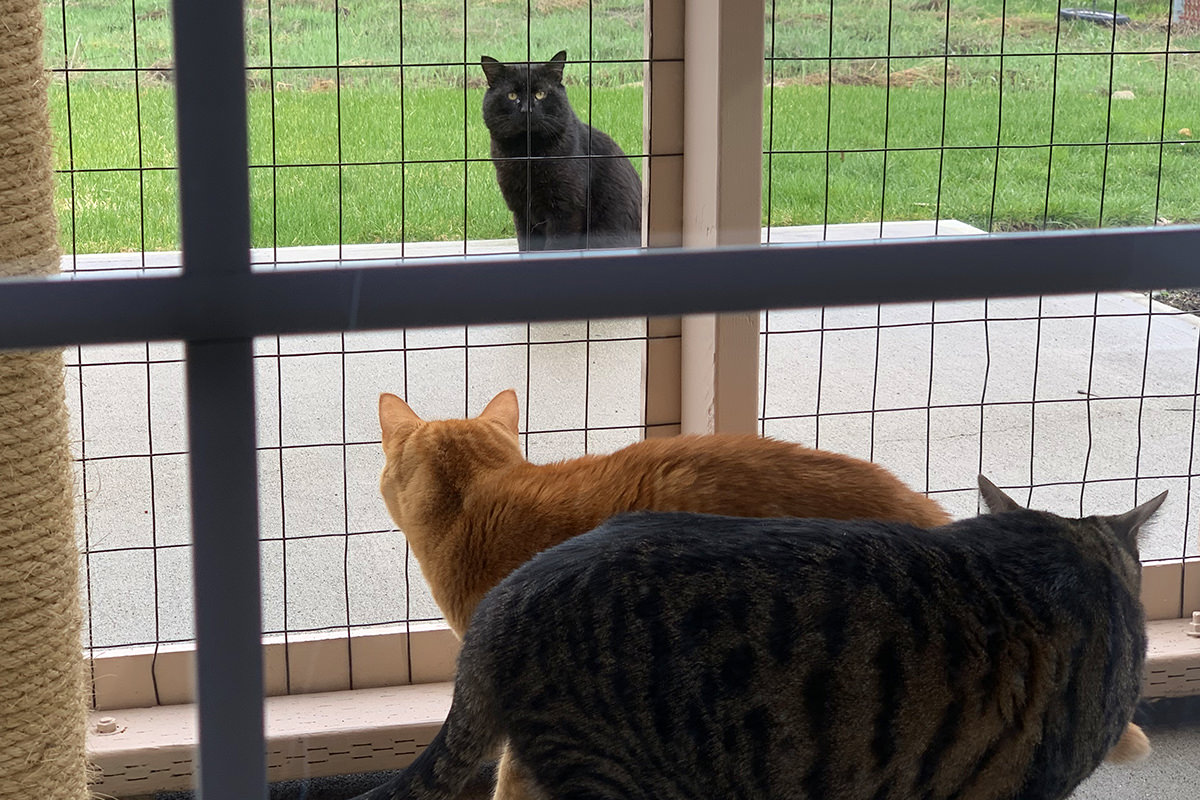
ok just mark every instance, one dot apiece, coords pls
pixel 217 304
pixel 1005 114
pixel 365 142
pixel 325 534
pixel 365 134
pixel 1086 402
pixel 940 119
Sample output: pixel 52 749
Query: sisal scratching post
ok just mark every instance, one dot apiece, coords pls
pixel 42 712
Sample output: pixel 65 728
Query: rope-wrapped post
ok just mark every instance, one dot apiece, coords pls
pixel 43 717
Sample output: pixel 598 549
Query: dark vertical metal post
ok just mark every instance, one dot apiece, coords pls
pixel 215 220
pixel 226 571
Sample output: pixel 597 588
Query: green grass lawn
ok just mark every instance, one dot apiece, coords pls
pixel 891 155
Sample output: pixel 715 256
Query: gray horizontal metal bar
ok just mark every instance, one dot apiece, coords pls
pixel 54 312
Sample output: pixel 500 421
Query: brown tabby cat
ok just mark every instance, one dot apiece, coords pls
pixel 675 656
pixel 473 509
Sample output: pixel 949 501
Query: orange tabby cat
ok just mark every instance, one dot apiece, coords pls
pixel 473 509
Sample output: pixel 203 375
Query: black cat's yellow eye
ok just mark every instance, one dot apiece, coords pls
pixel 539 95
pixel 512 95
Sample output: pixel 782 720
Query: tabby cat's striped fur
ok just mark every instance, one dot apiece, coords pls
pixel 687 656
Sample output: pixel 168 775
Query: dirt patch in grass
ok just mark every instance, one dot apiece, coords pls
pixel 548 6
pixel 874 73
pixel 632 16
pixel 161 71
pixel 1018 25
pixel 982 36
pixel 1183 299
pixel 320 5
pixel 929 75
pixel 787 17
pixel 1010 225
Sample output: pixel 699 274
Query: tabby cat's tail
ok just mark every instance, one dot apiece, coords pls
pixel 458 755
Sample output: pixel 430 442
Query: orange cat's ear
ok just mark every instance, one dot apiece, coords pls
pixel 503 408
pixel 394 414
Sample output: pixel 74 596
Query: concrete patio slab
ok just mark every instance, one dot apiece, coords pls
pixel 1091 399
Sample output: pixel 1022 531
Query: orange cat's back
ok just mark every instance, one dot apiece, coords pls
pixel 474 509
pixel 750 476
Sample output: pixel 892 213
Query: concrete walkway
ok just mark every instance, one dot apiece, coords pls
pixel 951 386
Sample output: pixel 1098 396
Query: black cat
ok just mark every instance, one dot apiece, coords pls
pixel 568 185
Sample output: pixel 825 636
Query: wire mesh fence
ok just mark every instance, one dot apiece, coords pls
pixel 1006 116
pixel 326 537
pixel 367 141
pixel 1085 401
pixel 364 117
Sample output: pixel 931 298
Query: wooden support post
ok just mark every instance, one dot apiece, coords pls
pixel 662 198
pixel 722 202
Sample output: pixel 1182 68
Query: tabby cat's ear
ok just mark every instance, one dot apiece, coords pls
pixel 996 500
pixel 503 408
pixel 1127 525
pixel 555 65
pixel 492 69
pixel 394 414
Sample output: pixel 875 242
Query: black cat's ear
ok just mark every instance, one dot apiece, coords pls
pixel 492 69
pixel 1127 525
pixel 555 65
pixel 996 500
